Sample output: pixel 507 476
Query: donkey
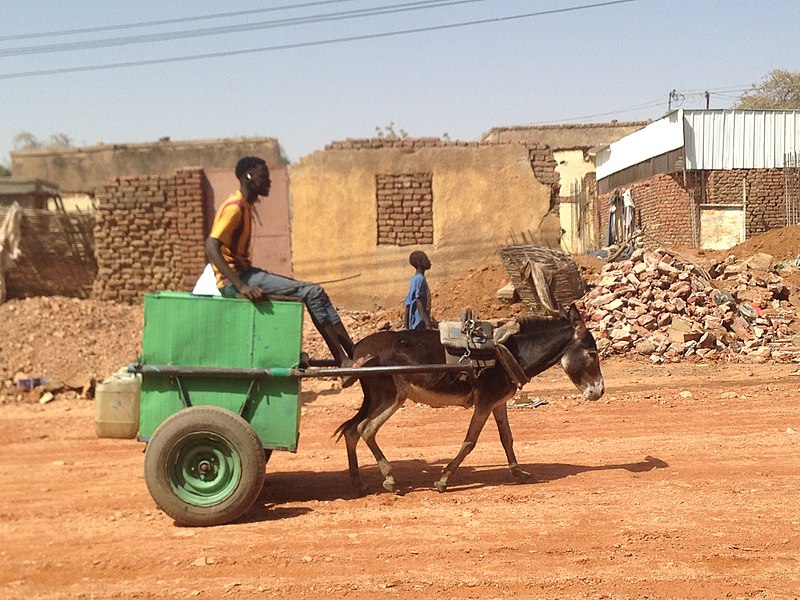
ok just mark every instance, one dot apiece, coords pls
pixel 539 344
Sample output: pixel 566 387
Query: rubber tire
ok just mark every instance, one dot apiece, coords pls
pixel 226 431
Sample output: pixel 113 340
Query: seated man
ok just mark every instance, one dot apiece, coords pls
pixel 228 250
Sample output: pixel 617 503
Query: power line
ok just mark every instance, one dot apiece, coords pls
pixel 296 45
pixel 229 29
pixel 651 104
pixel 727 93
pixel 98 29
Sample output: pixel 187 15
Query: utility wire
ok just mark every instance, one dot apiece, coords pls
pixel 295 45
pixel 651 104
pixel 229 29
pixel 100 28
pixel 727 93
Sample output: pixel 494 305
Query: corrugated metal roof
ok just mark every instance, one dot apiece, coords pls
pixel 740 139
pixel 715 139
pixel 652 140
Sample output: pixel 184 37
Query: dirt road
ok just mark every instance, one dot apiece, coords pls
pixel 682 482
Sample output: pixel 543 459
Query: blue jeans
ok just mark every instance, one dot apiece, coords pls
pixel 316 300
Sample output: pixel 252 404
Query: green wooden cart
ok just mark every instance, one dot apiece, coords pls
pixel 220 389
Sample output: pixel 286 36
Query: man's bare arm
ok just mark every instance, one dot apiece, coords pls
pixel 214 254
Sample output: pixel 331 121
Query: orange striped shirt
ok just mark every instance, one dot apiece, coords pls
pixel 233 226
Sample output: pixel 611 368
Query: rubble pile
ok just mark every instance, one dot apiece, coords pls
pixel 658 306
pixel 64 343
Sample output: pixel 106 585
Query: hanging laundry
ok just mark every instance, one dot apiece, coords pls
pixel 629 214
pixel 614 231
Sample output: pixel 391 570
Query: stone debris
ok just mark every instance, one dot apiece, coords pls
pixel 652 304
pixel 656 305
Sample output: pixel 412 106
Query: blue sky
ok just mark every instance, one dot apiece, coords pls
pixel 593 64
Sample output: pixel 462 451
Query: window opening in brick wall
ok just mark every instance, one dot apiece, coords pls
pixel 405 209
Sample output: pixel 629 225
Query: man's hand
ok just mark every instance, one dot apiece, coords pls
pixel 250 292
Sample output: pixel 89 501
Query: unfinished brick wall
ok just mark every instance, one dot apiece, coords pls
pixel 663 205
pixel 56 255
pixel 670 208
pixel 761 190
pixel 405 208
pixel 541 156
pixel 395 142
pixel 149 234
pixel 543 164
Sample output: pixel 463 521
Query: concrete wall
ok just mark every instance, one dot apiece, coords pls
pixel 479 192
pixel 81 170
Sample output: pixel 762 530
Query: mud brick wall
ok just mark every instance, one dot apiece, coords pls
pixel 664 206
pixel 149 234
pixel 670 208
pixel 543 164
pixel 541 156
pixel 764 191
pixel 56 255
pixel 193 200
pixel 405 209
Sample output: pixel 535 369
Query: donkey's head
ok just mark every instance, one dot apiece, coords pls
pixel 580 360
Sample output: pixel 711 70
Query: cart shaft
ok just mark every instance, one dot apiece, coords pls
pixel 184 371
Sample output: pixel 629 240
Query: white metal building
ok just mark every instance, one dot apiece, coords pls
pixel 701 139
pixel 737 173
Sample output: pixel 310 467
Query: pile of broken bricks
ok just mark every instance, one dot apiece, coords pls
pixel 660 306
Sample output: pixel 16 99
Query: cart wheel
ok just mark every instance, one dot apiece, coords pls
pixel 204 466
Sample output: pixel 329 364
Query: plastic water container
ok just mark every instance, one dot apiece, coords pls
pixel 116 406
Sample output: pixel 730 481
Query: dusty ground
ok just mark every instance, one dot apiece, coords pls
pixel 680 483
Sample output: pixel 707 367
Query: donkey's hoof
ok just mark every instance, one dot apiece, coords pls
pixel 390 485
pixel 441 486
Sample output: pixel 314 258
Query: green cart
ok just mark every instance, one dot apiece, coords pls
pixel 220 388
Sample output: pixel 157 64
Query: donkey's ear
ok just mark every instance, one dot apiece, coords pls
pixel 577 319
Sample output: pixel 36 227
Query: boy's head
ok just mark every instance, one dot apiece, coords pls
pixel 419 260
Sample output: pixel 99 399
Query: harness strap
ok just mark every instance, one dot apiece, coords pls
pixel 511 365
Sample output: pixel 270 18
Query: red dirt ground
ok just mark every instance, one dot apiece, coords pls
pixel 681 482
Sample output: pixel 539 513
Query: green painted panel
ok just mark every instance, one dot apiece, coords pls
pixel 273 410
pixel 201 331
pixel 185 330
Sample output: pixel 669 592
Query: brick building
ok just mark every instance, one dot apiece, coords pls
pixel 706 178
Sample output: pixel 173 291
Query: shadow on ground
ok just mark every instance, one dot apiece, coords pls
pixel 419 476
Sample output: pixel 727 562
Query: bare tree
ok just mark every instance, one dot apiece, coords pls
pixel 389 132
pixel 60 140
pixel 25 140
pixel 779 89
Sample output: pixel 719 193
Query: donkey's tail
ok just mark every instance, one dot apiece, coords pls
pixel 363 409
pixel 356 419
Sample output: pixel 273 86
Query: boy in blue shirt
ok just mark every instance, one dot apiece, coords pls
pixel 418 300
